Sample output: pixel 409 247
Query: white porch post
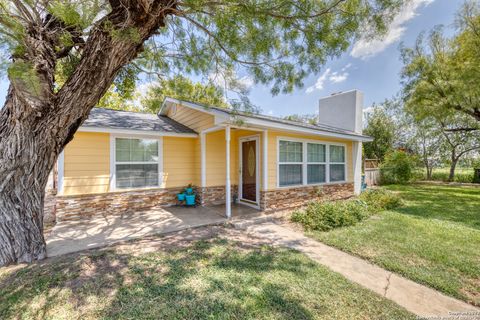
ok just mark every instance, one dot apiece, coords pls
pixel 265 160
pixel 228 195
pixel 357 167
pixel 203 160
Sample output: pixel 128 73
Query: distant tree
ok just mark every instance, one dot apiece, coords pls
pixel 182 88
pixel 440 74
pixel 458 143
pixel 382 128
pixel 426 140
pixel 305 118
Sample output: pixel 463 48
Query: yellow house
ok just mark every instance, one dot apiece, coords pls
pixel 122 160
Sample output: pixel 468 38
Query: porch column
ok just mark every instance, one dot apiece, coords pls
pixel 228 195
pixel 203 160
pixel 357 167
pixel 265 161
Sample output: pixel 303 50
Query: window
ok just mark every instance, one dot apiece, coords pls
pixel 337 163
pixel 316 166
pixel 136 163
pixel 290 163
pixel 303 163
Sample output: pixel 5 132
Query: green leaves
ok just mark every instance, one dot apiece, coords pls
pixel 183 88
pixel 441 74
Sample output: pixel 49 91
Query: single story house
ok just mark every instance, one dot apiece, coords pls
pixel 122 160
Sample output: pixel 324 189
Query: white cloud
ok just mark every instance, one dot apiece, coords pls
pixel 320 81
pixel 367 48
pixel 329 76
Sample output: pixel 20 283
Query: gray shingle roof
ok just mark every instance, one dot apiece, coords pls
pixel 115 119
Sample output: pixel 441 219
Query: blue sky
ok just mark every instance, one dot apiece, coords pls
pixel 370 67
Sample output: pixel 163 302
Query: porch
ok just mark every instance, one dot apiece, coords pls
pixel 72 236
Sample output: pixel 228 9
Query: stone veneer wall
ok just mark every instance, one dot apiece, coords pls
pixel 292 198
pixel 84 206
pixel 76 207
pixel 215 195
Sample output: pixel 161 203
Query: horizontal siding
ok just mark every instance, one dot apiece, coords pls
pixel 87 164
pixel 179 161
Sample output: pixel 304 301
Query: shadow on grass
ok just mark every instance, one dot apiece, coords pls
pixel 211 279
pixel 455 204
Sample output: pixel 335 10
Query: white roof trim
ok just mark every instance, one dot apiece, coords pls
pixel 137 132
pixel 222 119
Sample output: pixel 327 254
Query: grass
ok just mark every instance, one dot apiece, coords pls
pixel 433 239
pixel 214 279
pixel 462 174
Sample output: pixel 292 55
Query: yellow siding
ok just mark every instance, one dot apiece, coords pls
pixel 216 156
pixel 191 118
pixel 179 161
pixel 272 154
pixel 87 164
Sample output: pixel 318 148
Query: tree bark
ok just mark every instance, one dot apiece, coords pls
pixel 453 165
pixel 34 128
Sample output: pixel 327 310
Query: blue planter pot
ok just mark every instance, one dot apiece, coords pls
pixel 190 199
pixel 181 197
pixel 189 190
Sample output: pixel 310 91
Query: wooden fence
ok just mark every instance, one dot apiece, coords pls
pixel 372 172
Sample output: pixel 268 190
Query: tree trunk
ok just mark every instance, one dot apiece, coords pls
pixel 34 128
pixel 429 171
pixel 453 165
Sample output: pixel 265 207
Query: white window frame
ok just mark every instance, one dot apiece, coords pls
pixel 327 170
pixel 113 161
pixel 305 162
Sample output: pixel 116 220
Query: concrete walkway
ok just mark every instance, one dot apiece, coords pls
pixel 414 297
pixel 72 236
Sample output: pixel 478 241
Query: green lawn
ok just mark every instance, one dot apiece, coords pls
pixel 211 279
pixel 433 239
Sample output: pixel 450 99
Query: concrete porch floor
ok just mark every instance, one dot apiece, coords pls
pixel 72 236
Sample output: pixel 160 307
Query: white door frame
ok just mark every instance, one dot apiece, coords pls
pixel 247 202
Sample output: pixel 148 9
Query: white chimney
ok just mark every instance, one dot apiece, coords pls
pixel 342 110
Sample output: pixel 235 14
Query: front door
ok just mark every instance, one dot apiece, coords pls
pixel 249 170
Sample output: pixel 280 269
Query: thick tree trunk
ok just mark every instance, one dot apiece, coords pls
pixel 34 128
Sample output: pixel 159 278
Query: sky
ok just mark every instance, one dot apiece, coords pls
pixel 371 67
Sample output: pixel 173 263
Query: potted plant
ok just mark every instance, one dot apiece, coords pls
pixel 190 195
pixel 189 189
pixel 181 196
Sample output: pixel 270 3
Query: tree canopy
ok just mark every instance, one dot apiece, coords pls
pixel 382 129
pixel 440 74
pixel 182 88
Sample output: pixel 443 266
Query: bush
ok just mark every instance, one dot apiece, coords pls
pixel 325 216
pixel 380 199
pixel 398 167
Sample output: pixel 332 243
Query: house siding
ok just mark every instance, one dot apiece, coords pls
pixel 179 161
pixel 87 164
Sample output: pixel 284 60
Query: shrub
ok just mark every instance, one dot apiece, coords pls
pixel 398 167
pixel 380 199
pixel 325 216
